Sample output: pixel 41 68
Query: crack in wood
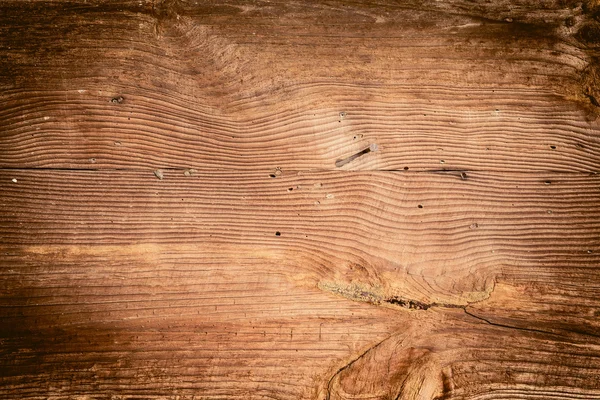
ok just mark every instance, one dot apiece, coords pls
pixel 455 172
pixel 347 160
pixel 329 382
pixel 376 295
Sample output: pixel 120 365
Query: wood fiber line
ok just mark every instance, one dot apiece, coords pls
pixel 299 199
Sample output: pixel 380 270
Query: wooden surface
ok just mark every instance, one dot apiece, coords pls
pixel 299 200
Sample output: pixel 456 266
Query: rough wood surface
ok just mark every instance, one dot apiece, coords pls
pixel 299 200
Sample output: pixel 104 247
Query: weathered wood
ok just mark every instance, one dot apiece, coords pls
pixel 127 252
pixel 316 200
pixel 259 87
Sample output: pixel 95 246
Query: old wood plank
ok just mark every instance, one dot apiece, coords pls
pixel 305 87
pixel 158 321
pixel 177 218
pixel 434 238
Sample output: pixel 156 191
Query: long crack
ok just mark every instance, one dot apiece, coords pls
pixel 371 295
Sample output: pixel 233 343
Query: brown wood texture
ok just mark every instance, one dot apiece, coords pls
pixel 320 200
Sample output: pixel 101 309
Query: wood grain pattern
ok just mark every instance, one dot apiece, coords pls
pixel 294 90
pixel 299 200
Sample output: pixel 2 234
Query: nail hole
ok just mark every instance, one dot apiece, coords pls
pixel 463 176
pixel 420 206
pixel 406 168
pixel 553 147
pixel 272 176
pixel 277 233
pixel 590 251
pixel 548 182
pixel 442 161
pixel 117 100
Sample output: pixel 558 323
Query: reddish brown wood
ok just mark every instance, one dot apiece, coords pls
pixel 299 200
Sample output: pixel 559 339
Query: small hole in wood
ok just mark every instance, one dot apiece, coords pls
pixel 420 206
pixel 277 233
pixel 553 147
pixel 569 22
